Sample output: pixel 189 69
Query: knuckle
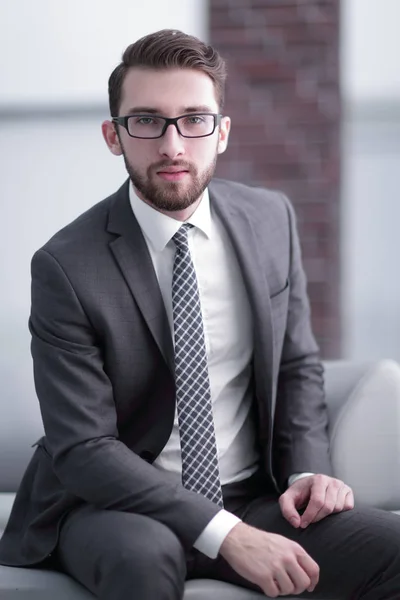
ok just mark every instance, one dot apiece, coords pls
pixel 329 507
pixel 275 566
pixel 289 561
pixel 272 566
pixel 299 550
pixel 270 589
pixel 301 587
pixel 290 588
pixel 314 571
pixel 282 502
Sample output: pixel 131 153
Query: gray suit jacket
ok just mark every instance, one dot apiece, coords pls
pixel 103 367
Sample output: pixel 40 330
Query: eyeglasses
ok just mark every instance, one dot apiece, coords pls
pixel 150 127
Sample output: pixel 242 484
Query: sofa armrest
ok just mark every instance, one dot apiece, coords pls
pixel 364 427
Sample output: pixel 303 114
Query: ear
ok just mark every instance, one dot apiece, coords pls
pixel 223 135
pixel 111 137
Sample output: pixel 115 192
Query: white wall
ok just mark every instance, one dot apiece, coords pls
pixel 371 167
pixel 58 54
pixel 63 52
pixel 370 49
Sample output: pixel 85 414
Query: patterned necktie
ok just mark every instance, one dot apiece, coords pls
pixel 200 470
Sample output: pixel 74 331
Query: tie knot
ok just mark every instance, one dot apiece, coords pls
pixel 181 237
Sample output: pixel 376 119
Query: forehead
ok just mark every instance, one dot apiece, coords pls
pixel 167 90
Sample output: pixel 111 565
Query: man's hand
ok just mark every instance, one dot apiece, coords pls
pixel 274 563
pixel 322 495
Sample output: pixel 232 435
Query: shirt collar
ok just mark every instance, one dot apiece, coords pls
pixel 160 228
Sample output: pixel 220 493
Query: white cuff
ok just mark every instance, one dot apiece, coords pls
pixel 210 540
pixel 297 476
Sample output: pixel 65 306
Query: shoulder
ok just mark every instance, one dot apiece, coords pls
pixel 88 229
pixel 254 200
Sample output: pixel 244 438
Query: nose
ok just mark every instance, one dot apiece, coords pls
pixel 171 144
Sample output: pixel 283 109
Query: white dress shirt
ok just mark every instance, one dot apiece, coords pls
pixel 228 336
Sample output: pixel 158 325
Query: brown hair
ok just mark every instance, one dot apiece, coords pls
pixel 165 49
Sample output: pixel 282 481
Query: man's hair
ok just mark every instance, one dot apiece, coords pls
pixel 168 49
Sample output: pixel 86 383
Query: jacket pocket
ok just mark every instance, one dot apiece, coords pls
pixel 41 443
pixel 280 291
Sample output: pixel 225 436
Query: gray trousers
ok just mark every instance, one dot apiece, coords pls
pixel 123 556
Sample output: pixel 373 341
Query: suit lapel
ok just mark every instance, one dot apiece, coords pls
pixel 134 260
pixel 241 232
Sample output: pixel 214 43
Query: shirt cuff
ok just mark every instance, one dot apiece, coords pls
pixel 297 476
pixel 210 540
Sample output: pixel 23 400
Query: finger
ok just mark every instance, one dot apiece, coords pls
pixel 311 568
pixel 331 501
pixel 299 578
pixel 287 503
pixel 344 499
pixel 271 589
pixel 317 501
pixel 349 501
pixel 285 584
pixel 341 499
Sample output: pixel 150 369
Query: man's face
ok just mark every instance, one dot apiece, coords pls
pixel 170 172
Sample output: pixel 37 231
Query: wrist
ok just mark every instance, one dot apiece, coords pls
pixel 234 540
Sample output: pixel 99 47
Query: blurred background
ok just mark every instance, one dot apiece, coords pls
pixel 314 94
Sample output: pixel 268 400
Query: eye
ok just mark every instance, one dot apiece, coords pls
pixel 195 120
pixel 145 121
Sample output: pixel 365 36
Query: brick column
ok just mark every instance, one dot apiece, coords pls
pixel 283 97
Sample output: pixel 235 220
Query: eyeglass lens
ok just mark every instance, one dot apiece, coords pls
pixel 189 126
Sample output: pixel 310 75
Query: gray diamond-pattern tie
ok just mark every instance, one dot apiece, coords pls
pixel 200 470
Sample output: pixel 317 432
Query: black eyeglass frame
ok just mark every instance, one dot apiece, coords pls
pixel 123 121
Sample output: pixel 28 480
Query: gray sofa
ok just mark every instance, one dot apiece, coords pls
pixel 364 407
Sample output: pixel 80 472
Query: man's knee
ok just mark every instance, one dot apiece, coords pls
pixel 112 553
pixel 156 566
pixel 160 548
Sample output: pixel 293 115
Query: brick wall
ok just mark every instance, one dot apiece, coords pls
pixel 283 97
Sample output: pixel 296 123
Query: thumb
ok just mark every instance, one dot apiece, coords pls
pixel 287 503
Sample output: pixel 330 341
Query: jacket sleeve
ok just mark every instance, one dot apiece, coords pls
pixel 79 415
pixel 301 442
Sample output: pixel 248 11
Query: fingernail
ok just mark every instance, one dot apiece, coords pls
pixel 305 524
pixel 294 521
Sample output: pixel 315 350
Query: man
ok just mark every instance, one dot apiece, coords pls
pixel 178 378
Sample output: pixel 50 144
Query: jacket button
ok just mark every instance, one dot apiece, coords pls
pixel 147 455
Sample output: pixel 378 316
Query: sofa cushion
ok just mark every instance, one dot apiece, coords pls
pixel 203 589
pixel 6 501
pixel 365 438
pixel 39 584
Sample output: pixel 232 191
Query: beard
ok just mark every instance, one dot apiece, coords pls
pixel 170 195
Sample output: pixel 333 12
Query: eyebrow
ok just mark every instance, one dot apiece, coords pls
pixel 149 110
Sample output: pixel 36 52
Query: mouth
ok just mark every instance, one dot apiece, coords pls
pixel 173 174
